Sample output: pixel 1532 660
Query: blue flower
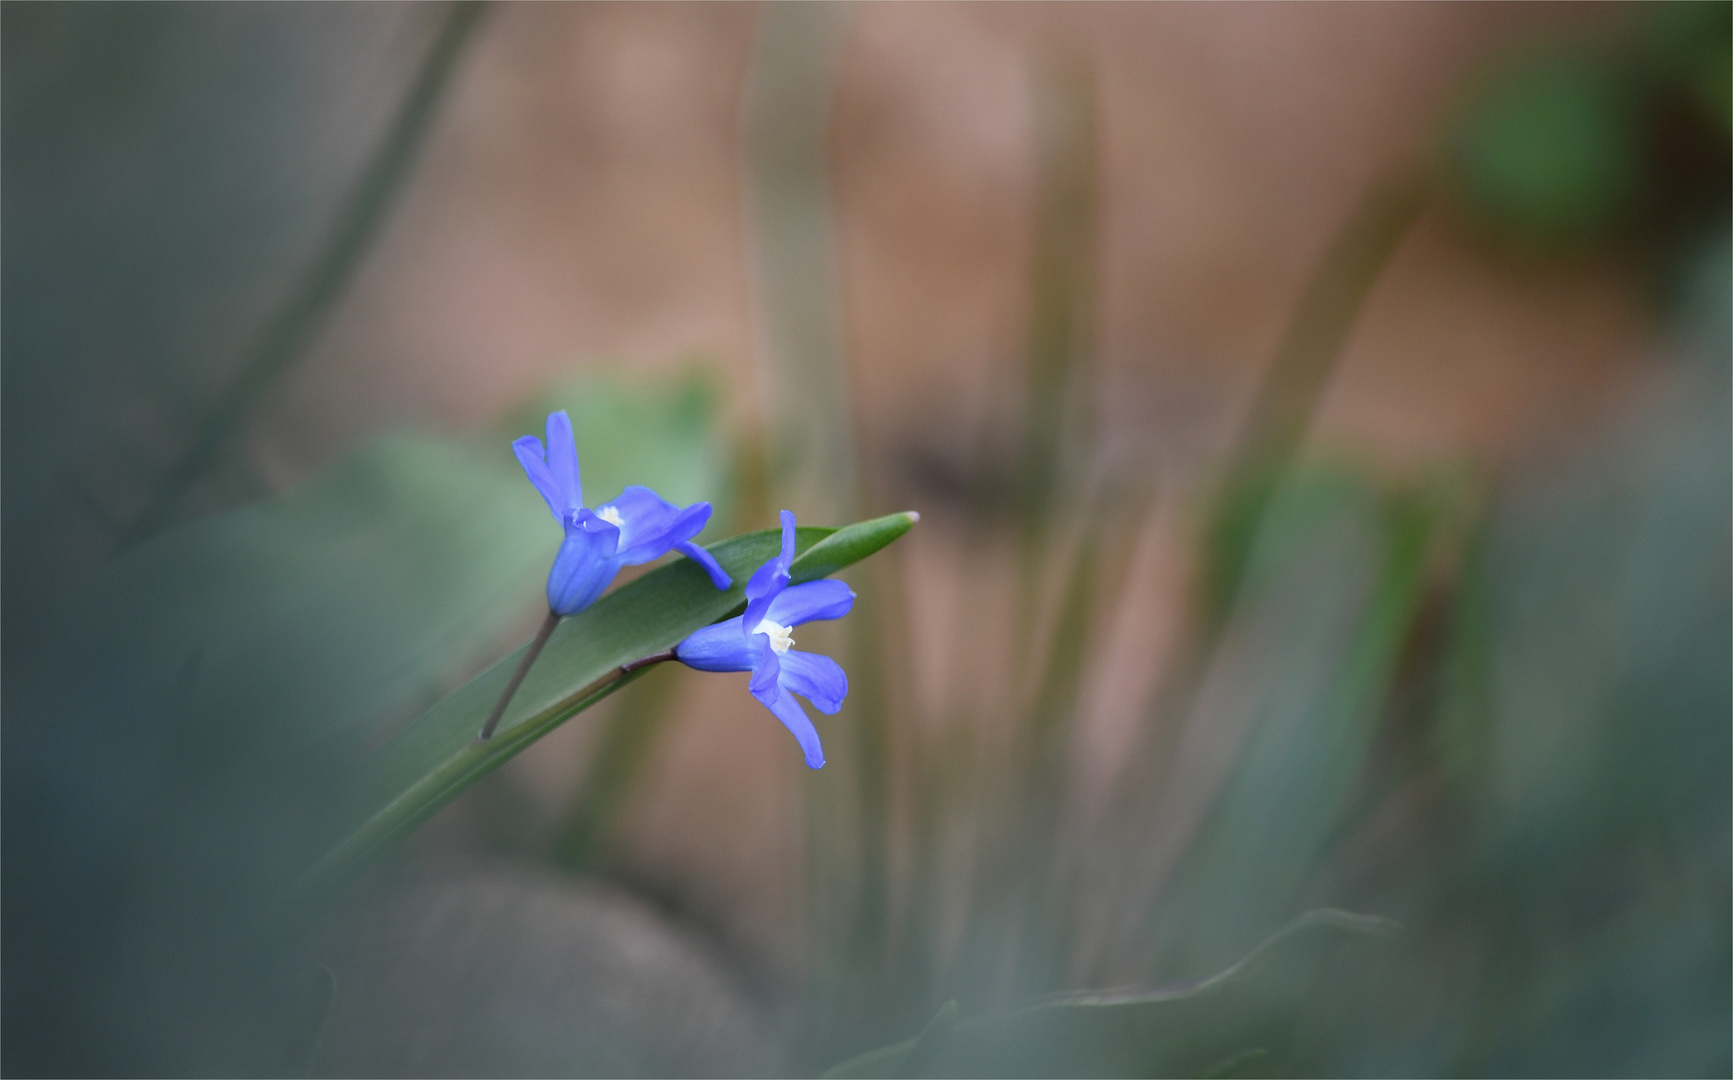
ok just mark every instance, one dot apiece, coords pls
pixel 761 641
pixel 635 528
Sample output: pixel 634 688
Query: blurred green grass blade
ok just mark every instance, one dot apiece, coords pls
pixel 1060 342
pixel 361 590
pixel 786 121
pixel 930 1041
pixel 1274 433
pixel 293 330
pixel 335 603
pixel 1180 1031
pixel 1328 603
pixel 1298 372
pixel 438 755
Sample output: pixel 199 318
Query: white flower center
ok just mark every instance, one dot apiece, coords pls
pixel 611 516
pixel 781 637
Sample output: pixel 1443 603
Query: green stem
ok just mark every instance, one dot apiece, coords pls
pixel 541 640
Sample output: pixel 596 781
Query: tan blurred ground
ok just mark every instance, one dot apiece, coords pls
pixel 583 203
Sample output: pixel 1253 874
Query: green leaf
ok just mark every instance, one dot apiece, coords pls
pixel 340 601
pixel 1222 1023
pixel 438 755
pixel 1332 586
pixel 360 592
pixel 929 1042
pixel 1550 151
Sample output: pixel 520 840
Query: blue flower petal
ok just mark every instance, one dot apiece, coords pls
pixel 794 718
pixel 770 579
pixel 585 563
pixel 563 460
pixel 818 679
pixel 529 454
pixel 718 648
pixel 733 645
pixel 643 515
pixel 718 576
pixel 650 526
pixel 814 600
pixel 766 670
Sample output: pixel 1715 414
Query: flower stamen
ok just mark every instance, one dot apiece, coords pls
pixel 781 637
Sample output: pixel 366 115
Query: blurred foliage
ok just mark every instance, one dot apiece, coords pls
pixel 660 432
pixel 1568 145
pixel 1494 708
pixel 438 756
pixel 289 335
pixel 1332 597
pixel 1512 736
pixel 173 754
pixel 1463 703
pixel 180 181
pixel 1553 147
pixel 1221 1026
pixel 1592 738
pixel 613 772
pixel 1687 44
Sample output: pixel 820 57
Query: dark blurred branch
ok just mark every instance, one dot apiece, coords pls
pixel 358 224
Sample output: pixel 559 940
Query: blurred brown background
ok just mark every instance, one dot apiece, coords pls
pixel 582 203
pixel 612 187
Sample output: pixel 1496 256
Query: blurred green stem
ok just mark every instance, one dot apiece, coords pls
pixel 1102 564
pixel 1280 415
pixel 1013 859
pixel 1303 362
pixel 358 224
pixel 813 470
pixel 1061 321
pixel 786 127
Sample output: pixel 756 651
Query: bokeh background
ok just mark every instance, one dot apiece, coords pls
pixel 1319 419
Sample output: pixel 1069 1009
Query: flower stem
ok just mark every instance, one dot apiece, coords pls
pixel 535 650
pixel 645 661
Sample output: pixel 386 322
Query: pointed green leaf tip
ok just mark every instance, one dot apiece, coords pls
pixel 438 755
pixel 848 545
